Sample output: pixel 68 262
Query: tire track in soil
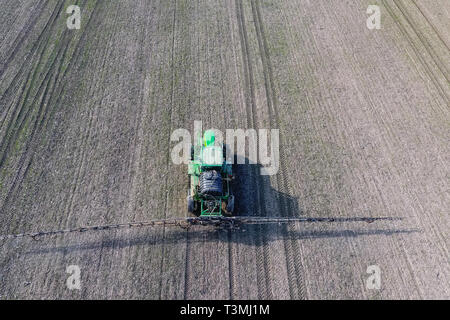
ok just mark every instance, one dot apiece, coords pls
pixel 187 267
pixel 39 46
pixel 68 205
pixel 14 125
pixel 138 143
pixel 41 95
pixel 226 117
pixel 293 254
pixel 28 144
pixel 10 12
pixel 57 86
pixel 23 34
pixel 85 138
pixel 41 113
pixel 430 24
pixel 22 66
pixel 423 39
pixel 166 201
pixel 60 78
pixel 188 250
pixel 74 60
pixel 231 267
pixel 431 74
pixel 381 122
pixel 187 263
pixel 263 267
pixel 442 91
pixel 233 21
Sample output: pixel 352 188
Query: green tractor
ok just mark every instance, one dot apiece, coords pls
pixel 210 178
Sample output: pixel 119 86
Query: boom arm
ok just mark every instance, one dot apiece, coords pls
pixel 219 221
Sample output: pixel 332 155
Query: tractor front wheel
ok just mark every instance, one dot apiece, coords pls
pixel 190 205
pixel 230 205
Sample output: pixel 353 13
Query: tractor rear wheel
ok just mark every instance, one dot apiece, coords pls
pixel 230 205
pixel 224 151
pixel 191 205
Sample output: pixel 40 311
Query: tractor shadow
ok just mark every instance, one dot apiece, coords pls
pixel 254 196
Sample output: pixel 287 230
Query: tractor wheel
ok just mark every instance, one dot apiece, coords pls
pixel 224 210
pixel 230 205
pixel 224 150
pixel 191 205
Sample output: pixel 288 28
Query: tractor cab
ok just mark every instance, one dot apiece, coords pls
pixel 210 154
pixel 209 179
